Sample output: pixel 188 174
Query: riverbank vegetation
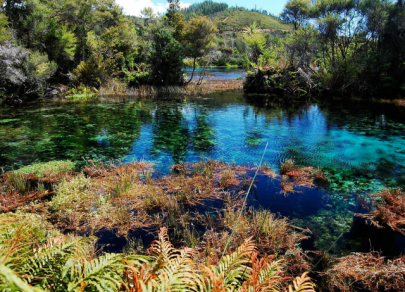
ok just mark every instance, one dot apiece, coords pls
pixel 337 48
pixel 229 248
pixel 73 49
pixel 52 214
pixel 49 240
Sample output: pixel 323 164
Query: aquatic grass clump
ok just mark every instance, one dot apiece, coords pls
pixel 32 182
pixel 292 175
pixel 389 209
pixel 272 234
pixel 366 272
pixel 46 169
pixel 176 92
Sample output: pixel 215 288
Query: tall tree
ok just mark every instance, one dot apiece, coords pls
pixel 166 59
pixel 175 19
pixel 198 37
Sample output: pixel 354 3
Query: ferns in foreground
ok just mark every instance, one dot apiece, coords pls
pixel 35 257
pixel 174 270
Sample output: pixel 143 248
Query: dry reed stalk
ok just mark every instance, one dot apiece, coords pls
pixel 366 272
pixel 389 209
pixel 397 102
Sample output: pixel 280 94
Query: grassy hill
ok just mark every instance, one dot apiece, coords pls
pixel 236 19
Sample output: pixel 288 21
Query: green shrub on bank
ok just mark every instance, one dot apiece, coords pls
pixel 81 93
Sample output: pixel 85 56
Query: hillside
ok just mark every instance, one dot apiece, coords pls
pixel 236 19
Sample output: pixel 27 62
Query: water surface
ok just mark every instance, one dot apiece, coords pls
pixel 361 148
pixel 217 73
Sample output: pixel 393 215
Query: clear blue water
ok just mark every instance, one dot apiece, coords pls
pixel 361 148
pixel 217 73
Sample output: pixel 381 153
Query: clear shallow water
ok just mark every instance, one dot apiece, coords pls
pixel 362 149
pixel 217 73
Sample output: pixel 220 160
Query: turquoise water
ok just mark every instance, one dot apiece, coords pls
pixel 362 149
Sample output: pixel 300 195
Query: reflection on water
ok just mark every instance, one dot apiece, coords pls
pixel 361 149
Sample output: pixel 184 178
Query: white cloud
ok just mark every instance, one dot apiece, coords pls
pixel 134 7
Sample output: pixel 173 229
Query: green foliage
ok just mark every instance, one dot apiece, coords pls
pixel 296 12
pixel 33 253
pixel 175 19
pixel 255 40
pixel 166 59
pixel 5 33
pixel 94 71
pixel 81 93
pixel 205 8
pixel 43 169
pixel 198 38
pixel 67 42
pixel 40 68
pixel 236 19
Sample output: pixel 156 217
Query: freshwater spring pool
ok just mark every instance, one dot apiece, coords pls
pixel 362 149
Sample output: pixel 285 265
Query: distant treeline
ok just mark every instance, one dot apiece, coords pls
pixel 210 7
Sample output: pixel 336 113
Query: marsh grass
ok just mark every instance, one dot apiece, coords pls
pixel 117 89
pixel 388 210
pixel 366 272
pixel 32 182
pixel 396 102
pixel 47 169
pixel 293 175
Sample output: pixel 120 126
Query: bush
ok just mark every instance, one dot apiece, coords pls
pixel 166 59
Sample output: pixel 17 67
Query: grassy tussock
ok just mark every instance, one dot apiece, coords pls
pixel 388 210
pixel 366 272
pixel 29 183
pixel 293 175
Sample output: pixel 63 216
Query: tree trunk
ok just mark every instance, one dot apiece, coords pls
pixel 192 74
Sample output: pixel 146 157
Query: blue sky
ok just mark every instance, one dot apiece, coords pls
pixel 133 7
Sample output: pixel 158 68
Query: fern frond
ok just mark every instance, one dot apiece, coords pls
pixel 232 269
pixel 238 258
pixel 173 268
pixel 9 281
pixel 302 284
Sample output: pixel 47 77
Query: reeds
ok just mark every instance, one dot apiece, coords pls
pixel 293 175
pixel 397 102
pixel 366 272
pixel 117 89
pixel 29 183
